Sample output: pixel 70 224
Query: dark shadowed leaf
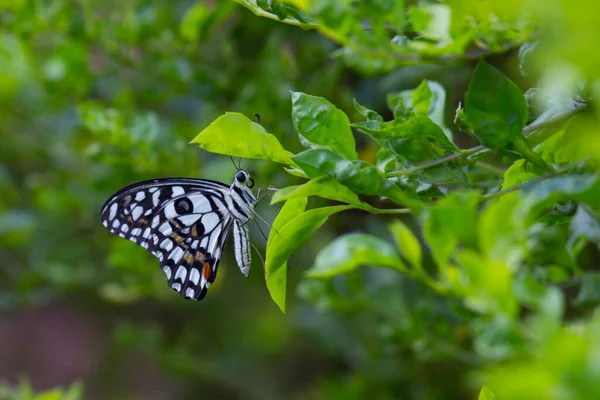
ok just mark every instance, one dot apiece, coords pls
pixel 359 176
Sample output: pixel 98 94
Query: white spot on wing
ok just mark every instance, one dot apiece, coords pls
pixel 181 273
pixel 135 214
pixel 166 244
pixel 189 293
pixel 210 221
pixel 140 196
pixel 177 191
pixel 177 286
pixel 189 219
pixel 167 271
pixel 165 229
pixel 152 190
pixel 170 212
pixel 113 211
pixel 124 228
pixel 155 221
pixel 136 231
pixel 146 234
pixel 116 224
pixel 155 196
pixel 195 275
pixel 176 254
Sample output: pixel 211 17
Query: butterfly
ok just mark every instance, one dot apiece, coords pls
pixel 185 223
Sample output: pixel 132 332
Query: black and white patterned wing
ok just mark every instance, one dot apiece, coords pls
pixel 183 222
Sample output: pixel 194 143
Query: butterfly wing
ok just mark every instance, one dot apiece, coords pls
pixel 183 222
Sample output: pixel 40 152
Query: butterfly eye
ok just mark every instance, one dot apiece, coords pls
pixel 240 176
pixel 250 183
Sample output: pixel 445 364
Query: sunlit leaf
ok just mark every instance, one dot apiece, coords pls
pixel 325 187
pixel 486 394
pixel 277 280
pixel 348 252
pixel 233 134
pixel 409 246
pixel 287 237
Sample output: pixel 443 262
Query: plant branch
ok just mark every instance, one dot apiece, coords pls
pixel 480 150
pixel 522 185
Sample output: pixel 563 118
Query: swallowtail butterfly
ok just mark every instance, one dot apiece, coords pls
pixel 185 223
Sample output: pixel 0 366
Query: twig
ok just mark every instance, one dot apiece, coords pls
pixel 481 150
pixel 522 185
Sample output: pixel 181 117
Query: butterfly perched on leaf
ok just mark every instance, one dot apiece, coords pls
pixel 185 223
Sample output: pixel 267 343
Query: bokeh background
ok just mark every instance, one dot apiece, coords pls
pixel 98 94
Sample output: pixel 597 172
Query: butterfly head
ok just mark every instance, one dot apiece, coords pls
pixel 243 178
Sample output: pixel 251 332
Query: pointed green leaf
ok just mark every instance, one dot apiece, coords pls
pixel 495 108
pixel 287 237
pixel 325 187
pixel 486 394
pixel 417 127
pixel 291 236
pixel 348 252
pixel 421 98
pixel 277 280
pixel 319 122
pixel 233 134
pixel 408 244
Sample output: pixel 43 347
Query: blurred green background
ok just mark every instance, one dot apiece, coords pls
pixel 98 94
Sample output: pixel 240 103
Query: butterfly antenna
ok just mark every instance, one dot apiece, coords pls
pixel 236 167
pixel 266 223
pixel 259 255
pixel 239 163
pixel 262 233
pixel 257 118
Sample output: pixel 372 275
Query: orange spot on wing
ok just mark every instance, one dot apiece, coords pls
pixel 206 271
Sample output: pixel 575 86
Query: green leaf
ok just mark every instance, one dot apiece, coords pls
pixel 360 176
pixel 449 222
pixel 321 123
pixel 325 187
pixel 421 98
pixel 277 286
pixel 408 244
pixel 369 115
pixel 233 134
pixel 589 294
pixel 287 237
pixel 348 252
pixel 431 21
pixel 521 171
pixel 539 196
pixel 496 112
pixel 277 280
pixel 495 108
pixel 417 127
pixel 486 394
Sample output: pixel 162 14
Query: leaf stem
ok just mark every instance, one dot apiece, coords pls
pixel 480 150
pixel 390 211
pixel 529 182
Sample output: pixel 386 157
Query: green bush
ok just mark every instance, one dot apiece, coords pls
pixel 449 151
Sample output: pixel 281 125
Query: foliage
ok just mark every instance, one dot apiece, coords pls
pixel 411 244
